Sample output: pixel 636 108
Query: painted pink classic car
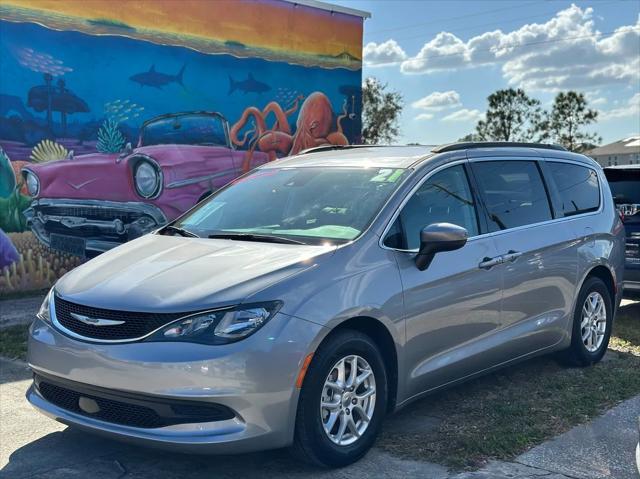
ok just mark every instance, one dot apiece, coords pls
pixel 91 203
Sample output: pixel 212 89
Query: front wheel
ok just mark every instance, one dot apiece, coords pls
pixel 342 402
pixel 592 322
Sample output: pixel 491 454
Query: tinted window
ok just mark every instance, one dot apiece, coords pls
pixel 514 193
pixel 578 187
pixel 443 198
pixel 624 184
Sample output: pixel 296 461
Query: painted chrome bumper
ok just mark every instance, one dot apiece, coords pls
pixel 103 224
pixel 254 377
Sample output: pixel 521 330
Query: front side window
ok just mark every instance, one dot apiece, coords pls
pixel 513 192
pixel 578 187
pixel 445 197
pixel 312 205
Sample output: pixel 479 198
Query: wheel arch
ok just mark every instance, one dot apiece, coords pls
pixel 383 338
pixel 605 274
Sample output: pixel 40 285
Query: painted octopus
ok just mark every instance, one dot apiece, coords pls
pixel 313 128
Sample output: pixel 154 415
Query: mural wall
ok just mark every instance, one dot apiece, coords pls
pixel 115 121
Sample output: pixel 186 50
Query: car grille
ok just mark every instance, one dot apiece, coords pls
pixel 135 412
pixel 135 324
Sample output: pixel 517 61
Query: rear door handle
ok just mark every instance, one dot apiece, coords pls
pixel 488 263
pixel 511 256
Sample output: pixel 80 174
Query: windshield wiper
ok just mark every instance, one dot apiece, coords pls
pixel 255 237
pixel 180 231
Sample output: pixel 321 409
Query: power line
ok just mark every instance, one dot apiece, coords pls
pixel 513 46
pixel 505 22
pixel 434 22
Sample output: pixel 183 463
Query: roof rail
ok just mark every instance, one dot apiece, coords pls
pixel 466 145
pixel 329 147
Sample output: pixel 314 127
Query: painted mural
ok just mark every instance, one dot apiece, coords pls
pixel 115 121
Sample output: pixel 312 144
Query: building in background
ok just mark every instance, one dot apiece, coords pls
pixel 201 91
pixel 622 152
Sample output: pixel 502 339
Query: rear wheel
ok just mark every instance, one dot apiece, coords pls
pixel 592 321
pixel 342 402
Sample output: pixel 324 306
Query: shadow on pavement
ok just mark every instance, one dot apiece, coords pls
pixel 632 310
pixel 73 453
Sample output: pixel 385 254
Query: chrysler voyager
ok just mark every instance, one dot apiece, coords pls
pixel 308 298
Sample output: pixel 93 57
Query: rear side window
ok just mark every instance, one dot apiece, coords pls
pixel 577 186
pixel 625 184
pixel 445 197
pixel 513 192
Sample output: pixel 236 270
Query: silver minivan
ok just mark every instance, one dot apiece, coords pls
pixel 304 301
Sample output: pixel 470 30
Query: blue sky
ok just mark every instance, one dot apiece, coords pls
pixel 446 57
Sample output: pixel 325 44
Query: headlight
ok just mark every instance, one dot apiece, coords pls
pixel 219 327
pixel 44 313
pixel 33 183
pixel 147 179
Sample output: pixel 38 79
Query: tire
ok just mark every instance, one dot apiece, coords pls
pixel 312 443
pixel 584 352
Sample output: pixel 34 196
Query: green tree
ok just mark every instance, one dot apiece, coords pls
pixel 470 137
pixel 566 122
pixel 511 116
pixel 381 110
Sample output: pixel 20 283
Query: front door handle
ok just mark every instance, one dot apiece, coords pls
pixel 511 256
pixel 488 263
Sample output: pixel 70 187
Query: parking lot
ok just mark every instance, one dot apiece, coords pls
pixel 415 442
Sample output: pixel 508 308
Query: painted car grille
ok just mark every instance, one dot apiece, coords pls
pixel 136 325
pixel 99 214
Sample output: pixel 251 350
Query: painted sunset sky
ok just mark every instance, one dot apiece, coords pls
pixel 268 28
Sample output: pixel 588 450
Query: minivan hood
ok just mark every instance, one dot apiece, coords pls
pixel 175 274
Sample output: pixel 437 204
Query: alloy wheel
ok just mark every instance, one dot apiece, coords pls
pixel 348 400
pixel 594 322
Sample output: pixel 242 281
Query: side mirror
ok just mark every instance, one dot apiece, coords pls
pixel 438 237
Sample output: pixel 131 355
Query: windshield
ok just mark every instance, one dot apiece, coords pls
pixel 185 130
pixel 310 204
pixel 624 184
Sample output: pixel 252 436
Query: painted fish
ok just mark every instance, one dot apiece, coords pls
pixel 156 79
pixel 250 85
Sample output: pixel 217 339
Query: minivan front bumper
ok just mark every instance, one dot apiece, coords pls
pixel 253 378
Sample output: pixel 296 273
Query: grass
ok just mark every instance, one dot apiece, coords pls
pixel 503 414
pixel 13 341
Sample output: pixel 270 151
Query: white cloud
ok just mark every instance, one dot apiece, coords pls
pixel 438 100
pixel 424 116
pixel 595 98
pixel 564 52
pixel 379 54
pixel 631 109
pixel 444 52
pixel 464 115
